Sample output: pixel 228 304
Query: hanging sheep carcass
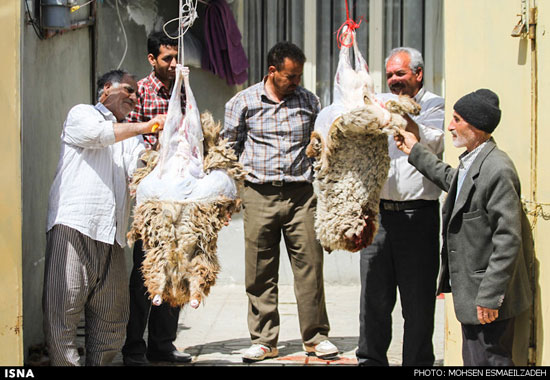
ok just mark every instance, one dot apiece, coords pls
pixel 184 196
pixel 350 147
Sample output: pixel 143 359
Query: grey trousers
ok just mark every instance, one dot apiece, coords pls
pixel 268 212
pixel 488 345
pixel 83 275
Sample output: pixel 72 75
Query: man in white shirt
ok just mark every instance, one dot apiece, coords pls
pixel 405 252
pixel 88 212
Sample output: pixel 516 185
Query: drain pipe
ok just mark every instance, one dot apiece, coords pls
pixel 533 12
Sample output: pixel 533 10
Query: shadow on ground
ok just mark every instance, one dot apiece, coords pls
pixel 229 352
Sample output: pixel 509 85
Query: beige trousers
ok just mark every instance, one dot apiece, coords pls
pixel 268 211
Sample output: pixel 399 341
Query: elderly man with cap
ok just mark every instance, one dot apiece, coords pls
pixel 484 257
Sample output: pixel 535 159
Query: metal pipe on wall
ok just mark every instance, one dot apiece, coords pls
pixel 532 360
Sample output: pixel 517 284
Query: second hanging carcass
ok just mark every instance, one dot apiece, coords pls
pixel 350 147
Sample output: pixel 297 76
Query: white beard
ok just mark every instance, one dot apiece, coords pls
pixel 458 141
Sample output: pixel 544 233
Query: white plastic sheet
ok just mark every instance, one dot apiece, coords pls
pixel 351 83
pixel 179 175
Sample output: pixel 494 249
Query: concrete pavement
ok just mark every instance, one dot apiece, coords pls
pixel 216 333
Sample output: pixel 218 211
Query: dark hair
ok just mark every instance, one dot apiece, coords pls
pixel 156 39
pixel 113 76
pixel 281 50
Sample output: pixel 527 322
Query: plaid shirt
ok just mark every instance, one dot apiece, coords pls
pixel 269 137
pixel 153 99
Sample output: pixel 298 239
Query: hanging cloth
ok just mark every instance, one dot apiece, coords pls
pixel 224 55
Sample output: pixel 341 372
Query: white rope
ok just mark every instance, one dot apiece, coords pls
pixel 187 16
pixel 124 34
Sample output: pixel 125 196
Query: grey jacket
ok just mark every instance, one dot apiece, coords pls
pixel 486 248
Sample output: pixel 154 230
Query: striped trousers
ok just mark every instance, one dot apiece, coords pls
pixel 83 275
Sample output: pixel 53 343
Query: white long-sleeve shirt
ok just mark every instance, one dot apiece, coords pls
pixel 90 188
pixel 405 183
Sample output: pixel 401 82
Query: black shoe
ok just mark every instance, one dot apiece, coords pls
pixel 173 357
pixel 135 360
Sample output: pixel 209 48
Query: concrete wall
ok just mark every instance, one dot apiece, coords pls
pixel 480 52
pixel 541 184
pixel 55 77
pixel 11 310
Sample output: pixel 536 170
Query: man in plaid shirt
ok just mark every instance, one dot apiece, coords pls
pixel 269 125
pixel 153 97
pixel 154 90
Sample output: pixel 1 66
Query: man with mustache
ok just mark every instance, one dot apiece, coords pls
pixel 405 252
pixel 486 243
pixel 154 93
pixel 269 125
pixel 88 213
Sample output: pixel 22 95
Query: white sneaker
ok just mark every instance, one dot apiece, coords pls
pixel 258 352
pixel 323 349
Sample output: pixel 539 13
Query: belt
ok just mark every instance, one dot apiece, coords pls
pixel 277 183
pixel 405 205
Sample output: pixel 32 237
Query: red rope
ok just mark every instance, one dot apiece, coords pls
pixel 351 26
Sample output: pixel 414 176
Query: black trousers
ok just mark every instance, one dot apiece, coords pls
pixel 488 345
pixel 404 255
pixel 161 321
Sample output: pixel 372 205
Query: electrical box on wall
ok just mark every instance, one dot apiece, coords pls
pixel 55 17
pixel 56 14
